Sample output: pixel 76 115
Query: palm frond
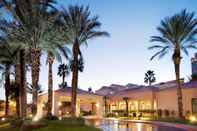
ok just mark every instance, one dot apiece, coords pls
pixel 178 32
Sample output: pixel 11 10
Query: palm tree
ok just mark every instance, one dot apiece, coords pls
pixel 14 95
pixel 126 99
pixel 149 77
pixel 15 37
pixel 34 19
pixel 63 71
pixel 177 34
pixel 79 27
pixel 55 49
pixel 7 58
pixel 52 54
pixel 105 104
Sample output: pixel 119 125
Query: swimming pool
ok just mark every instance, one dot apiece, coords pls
pixel 115 125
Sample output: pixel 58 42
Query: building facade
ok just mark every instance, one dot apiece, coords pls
pixel 88 103
pixel 162 96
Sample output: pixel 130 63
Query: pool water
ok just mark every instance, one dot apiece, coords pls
pixel 115 125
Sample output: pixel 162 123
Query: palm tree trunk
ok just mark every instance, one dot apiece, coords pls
pixel 23 95
pixel 179 90
pixel 17 107
pixel 63 79
pixel 17 79
pixel 74 78
pixel 105 102
pixel 50 87
pixel 35 55
pixel 7 88
pixel 177 61
pixel 127 108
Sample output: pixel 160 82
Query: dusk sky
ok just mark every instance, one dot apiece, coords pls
pixel 123 57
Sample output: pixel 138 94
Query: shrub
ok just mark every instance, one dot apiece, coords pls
pixel 166 113
pixel 86 113
pixel 159 112
pixel 51 118
pixel 110 114
pixel 173 113
pixel 147 111
pixel 73 121
pixel 16 122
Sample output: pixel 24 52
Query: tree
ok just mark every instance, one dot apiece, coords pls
pixel 55 49
pixel 105 98
pixel 177 34
pixel 79 28
pixel 14 36
pixel 34 19
pixel 126 99
pixel 90 89
pixel 7 59
pixel 149 77
pixel 14 95
pixel 52 52
pixel 63 71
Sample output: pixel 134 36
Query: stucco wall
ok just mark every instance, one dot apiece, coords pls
pixel 83 100
pixel 167 99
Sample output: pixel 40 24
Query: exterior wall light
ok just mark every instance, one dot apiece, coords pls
pixel 97 105
pixel 59 103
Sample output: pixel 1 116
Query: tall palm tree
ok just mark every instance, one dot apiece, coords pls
pixel 52 54
pixel 55 49
pixel 149 77
pixel 7 58
pixel 34 18
pixel 14 95
pixel 63 71
pixel 79 27
pixel 177 34
pixel 15 36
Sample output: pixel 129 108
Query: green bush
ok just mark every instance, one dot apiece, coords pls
pixel 16 122
pixel 110 114
pixel 172 113
pixel 86 113
pixel 147 111
pixel 73 121
pixel 166 113
pixel 159 113
pixel 51 118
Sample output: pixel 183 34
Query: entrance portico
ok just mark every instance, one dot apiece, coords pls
pixel 88 103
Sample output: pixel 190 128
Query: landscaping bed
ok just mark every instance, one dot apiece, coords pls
pixel 66 124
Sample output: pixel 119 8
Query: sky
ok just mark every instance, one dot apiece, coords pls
pixel 123 57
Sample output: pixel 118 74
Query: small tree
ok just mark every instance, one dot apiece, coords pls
pixel 126 99
pixel 149 77
pixel 63 71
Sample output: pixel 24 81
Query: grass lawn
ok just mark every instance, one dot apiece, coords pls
pixel 53 126
pixel 6 127
pixel 66 128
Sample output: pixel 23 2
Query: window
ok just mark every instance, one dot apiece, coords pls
pixel 194 105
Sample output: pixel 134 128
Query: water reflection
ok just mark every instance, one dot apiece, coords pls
pixel 115 125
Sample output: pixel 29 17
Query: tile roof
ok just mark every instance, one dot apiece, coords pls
pixel 79 91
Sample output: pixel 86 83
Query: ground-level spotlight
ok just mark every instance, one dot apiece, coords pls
pixel 192 119
pixel 3 119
